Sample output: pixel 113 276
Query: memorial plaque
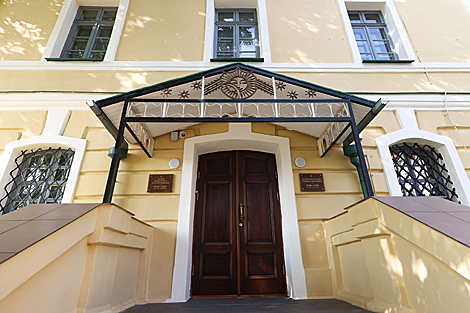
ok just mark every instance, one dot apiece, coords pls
pixel 160 183
pixel 311 182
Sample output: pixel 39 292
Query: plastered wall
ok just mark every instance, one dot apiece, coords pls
pixel 313 30
pixel 168 31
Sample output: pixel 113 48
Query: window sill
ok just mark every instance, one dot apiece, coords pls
pixel 72 60
pixel 238 60
pixel 388 61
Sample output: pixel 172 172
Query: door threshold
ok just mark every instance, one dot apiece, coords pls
pixel 238 301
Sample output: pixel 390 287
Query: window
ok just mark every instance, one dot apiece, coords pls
pixel 90 33
pixel 236 34
pixel 421 171
pixel 371 34
pixel 40 176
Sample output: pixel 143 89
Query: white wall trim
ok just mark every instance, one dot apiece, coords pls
pixel 410 132
pixel 67 14
pixel 239 137
pixel 51 137
pixel 397 32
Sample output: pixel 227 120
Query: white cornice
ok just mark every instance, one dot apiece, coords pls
pixel 195 66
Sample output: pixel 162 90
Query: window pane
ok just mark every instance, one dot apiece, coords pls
pixel 225 31
pixel 359 34
pixel 377 33
pixel 97 55
pixel 101 44
pixel 225 54
pixel 109 15
pixel 75 55
pixel 367 56
pixel 89 14
pixel 372 18
pixel 354 17
pixel 246 16
pixel 381 47
pixel 105 31
pixel 79 44
pixel 383 56
pixel 246 32
pixel 248 55
pixel 225 16
pixel 84 31
pixel 247 45
pixel 363 47
pixel 225 45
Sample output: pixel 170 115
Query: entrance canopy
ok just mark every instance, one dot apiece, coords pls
pixel 236 93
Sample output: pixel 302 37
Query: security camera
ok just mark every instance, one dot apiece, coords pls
pixel 182 134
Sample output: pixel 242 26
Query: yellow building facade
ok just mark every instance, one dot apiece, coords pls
pixel 57 64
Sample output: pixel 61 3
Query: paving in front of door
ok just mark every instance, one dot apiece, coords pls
pixel 300 306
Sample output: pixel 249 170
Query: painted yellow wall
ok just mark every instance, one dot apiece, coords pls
pixel 26 27
pixel 313 31
pixel 170 31
pixel 437 29
pixel 440 122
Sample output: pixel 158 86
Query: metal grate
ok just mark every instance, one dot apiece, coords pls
pixel 39 176
pixel 421 171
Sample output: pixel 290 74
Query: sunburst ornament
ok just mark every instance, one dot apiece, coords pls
pixel 310 93
pixel 166 92
pixel 238 84
pixel 184 94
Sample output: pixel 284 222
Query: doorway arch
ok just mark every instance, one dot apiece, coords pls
pixel 239 137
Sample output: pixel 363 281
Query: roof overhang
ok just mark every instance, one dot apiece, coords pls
pixel 236 93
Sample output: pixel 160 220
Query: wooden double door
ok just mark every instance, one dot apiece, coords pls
pixel 237 244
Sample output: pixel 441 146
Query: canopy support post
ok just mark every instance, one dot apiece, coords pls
pixel 113 170
pixel 360 153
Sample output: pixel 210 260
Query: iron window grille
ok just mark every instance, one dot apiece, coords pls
pixel 236 34
pixel 371 34
pixel 39 176
pixel 90 33
pixel 421 171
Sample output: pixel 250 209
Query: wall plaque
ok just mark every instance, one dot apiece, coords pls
pixel 160 183
pixel 311 182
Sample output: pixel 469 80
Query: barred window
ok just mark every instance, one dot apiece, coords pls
pixel 39 176
pixel 421 171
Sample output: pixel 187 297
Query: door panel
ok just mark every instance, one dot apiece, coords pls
pixel 237 246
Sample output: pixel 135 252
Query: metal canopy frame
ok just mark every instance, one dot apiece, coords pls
pixel 237 91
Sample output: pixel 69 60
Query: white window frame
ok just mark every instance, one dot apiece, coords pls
pixel 396 30
pixel 67 15
pixel 411 133
pixel 259 5
pixel 51 137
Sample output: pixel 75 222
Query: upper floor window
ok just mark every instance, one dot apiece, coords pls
pixel 421 171
pixel 371 34
pixel 90 33
pixel 236 34
pixel 40 176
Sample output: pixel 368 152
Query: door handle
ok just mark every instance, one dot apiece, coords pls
pixel 241 207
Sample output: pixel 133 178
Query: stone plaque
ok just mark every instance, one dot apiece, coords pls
pixel 311 182
pixel 160 183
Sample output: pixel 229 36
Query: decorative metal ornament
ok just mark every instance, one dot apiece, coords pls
pixel 166 92
pixel 238 84
pixel 184 94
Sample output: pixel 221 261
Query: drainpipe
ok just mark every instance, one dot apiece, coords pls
pixel 351 152
pixel 122 155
